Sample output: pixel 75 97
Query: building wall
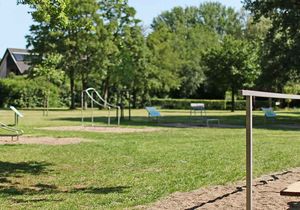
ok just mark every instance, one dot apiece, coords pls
pixel 3 67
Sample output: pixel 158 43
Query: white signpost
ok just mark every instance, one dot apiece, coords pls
pixel 249 122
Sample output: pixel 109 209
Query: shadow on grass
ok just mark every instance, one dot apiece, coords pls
pixel 44 189
pixel 283 122
pixel 8 169
pixel 11 172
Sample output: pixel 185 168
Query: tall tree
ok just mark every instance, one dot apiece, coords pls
pixel 67 28
pixel 233 65
pixel 118 16
pixel 192 31
pixel 280 51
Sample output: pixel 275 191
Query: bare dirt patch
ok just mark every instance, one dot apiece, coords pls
pixel 233 196
pixel 101 129
pixel 40 140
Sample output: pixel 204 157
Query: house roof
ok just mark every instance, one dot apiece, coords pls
pixel 18 56
pixel 21 63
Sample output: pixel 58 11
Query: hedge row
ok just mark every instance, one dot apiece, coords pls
pixel 209 104
pixel 26 93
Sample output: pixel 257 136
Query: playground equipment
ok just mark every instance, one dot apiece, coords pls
pixel 197 107
pixel 153 112
pixel 249 137
pixel 12 131
pixel 95 97
pixel 269 113
pixel 17 114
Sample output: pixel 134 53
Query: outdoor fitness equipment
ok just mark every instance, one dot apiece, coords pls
pixel 12 131
pixel 249 94
pixel 95 97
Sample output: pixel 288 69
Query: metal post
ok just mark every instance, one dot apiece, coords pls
pixel 82 120
pixel 249 152
pixel 92 105
pixel 108 119
pixel 48 103
pixel 16 119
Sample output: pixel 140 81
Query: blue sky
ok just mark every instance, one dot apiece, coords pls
pixel 15 20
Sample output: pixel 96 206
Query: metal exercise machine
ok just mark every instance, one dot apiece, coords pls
pixel 96 98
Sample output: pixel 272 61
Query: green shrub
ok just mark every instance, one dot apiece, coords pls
pixel 209 104
pixel 27 93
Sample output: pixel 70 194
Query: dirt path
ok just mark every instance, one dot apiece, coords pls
pixel 40 140
pixel 101 129
pixel 233 196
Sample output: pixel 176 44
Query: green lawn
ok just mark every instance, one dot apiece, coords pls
pixel 117 171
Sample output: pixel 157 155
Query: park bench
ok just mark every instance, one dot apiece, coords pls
pixel 153 112
pixel 197 107
pixel 269 113
pixel 291 190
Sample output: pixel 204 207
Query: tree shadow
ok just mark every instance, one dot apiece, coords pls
pixel 14 189
pixel 8 169
pixel 286 123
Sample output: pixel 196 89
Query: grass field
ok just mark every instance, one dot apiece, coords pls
pixel 117 171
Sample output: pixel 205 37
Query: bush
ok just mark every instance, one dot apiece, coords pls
pixel 209 104
pixel 25 93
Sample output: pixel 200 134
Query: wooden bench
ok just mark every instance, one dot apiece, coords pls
pixel 291 190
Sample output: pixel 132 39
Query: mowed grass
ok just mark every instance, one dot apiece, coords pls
pixel 118 171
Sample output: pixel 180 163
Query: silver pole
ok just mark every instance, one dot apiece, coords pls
pixel 249 152
pixel 92 109
pixel 108 120
pixel 119 115
pixel 82 120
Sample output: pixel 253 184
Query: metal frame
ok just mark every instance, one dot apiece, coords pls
pixel 249 123
pixel 16 132
pixel 92 93
pixel 17 115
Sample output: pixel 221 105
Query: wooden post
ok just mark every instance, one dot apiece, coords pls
pixel 249 152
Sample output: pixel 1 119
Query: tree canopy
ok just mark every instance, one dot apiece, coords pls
pixel 190 52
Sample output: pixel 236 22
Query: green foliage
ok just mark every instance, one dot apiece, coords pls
pixel 48 70
pixel 24 93
pixel 127 171
pixel 233 66
pixel 209 104
pixel 280 50
pixel 291 88
pixel 180 38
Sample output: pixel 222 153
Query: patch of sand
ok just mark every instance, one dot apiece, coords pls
pixel 40 140
pixel 233 196
pixel 101 129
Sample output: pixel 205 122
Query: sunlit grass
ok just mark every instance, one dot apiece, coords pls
pixel 116 171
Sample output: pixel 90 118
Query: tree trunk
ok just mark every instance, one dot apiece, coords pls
pixel 72 88
pixel 129 106
pixel 232 100
pixel 106 89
